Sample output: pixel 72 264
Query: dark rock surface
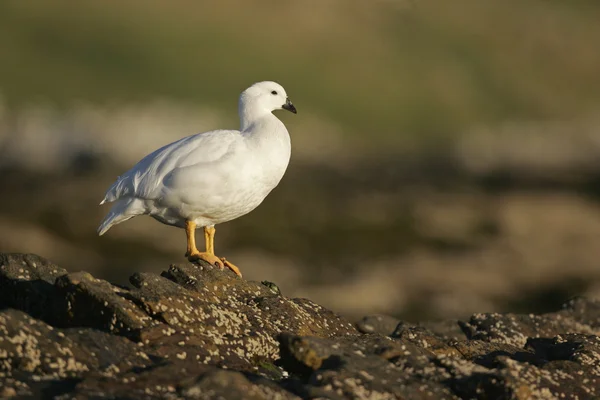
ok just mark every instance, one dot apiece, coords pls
pixel 199 332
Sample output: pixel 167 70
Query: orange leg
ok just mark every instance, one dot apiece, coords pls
pixel 193 254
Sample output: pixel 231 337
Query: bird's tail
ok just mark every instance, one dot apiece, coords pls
pixel 121 211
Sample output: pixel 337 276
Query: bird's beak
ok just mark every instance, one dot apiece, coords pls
pixel 289 106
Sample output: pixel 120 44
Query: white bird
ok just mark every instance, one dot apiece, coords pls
pixel 211 177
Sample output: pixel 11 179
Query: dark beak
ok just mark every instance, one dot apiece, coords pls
pixel 289 106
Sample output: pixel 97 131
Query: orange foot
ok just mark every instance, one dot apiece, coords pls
pixel 213 260
pixel 232 267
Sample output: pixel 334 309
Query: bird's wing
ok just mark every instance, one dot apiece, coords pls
pixel 145 179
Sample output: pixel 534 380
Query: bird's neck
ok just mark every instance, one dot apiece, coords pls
pixel 266 132
pixel 268 140
pixel 267 121
pixel 250 114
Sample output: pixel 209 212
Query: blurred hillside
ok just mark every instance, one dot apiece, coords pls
pixel 453 145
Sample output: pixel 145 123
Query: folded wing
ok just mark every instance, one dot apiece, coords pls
pixel 145 181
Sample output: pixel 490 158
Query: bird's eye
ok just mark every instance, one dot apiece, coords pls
pixel 274 92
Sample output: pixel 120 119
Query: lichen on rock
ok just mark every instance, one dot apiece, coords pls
pixel 199 332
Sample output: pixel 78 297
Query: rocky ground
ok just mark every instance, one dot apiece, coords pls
pixel 198 332
pixel 370 239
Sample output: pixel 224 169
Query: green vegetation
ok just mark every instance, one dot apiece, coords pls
pixel 427 68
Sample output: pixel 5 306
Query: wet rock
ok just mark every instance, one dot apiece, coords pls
pixel 199 332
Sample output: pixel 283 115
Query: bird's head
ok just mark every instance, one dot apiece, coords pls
pixel 264 97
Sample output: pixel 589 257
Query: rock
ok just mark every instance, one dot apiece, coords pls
pixel 369 366
pixel 573 374
pixel 577 316
pixel 187 379
pixel 43 354
pixel 382 324
pixel 236 385
pixel 191 315
pixel 199 332
pixel 448 329
pixel 26 283
pixel 97 304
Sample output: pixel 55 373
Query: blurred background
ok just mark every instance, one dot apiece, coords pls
pixel 446 155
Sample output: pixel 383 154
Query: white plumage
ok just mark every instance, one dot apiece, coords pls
pixel 211 177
